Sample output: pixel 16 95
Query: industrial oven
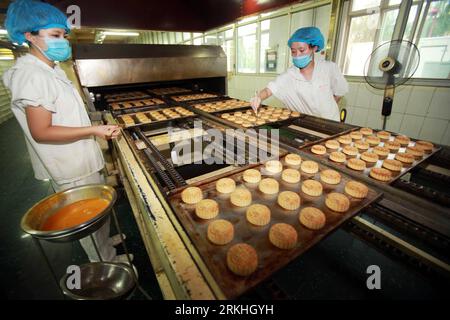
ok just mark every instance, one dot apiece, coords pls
pixel 164 95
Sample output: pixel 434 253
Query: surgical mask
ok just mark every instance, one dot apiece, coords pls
pixel 57 49
pixel 302 61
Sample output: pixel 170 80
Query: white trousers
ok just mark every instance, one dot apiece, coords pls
pixel 101 236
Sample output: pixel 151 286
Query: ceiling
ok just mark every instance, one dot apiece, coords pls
pixel 166 15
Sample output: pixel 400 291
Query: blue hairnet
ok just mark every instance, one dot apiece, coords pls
pixel 309 35
pixel 29 15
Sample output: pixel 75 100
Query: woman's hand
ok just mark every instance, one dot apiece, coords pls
pixel 255 102
pixel 106 131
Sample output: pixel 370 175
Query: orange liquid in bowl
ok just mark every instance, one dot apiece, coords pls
pixel 74 214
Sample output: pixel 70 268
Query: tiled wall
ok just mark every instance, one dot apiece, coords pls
pixel 418 111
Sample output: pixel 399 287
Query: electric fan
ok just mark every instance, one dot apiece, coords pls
pixel 390 65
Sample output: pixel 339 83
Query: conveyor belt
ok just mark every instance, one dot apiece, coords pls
pixel 423 191
pixel 166 171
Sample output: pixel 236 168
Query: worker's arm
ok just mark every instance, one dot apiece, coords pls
pixel 337 98
pixel 39 122
pixel 264 94
pixel 261 96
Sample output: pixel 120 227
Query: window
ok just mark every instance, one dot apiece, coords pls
pixel 165 37
pixel 171 37
pixel 225 39
pixel 318 17
pixel 186 36
pixel 211 39
pixel 364 4
pixel 198 41
pixel 434 42
pixel 371 23
pixel 360 43
pixel 301 19
pixel 273 48
pixel 246 53
pixel 178 37
pixel 322 20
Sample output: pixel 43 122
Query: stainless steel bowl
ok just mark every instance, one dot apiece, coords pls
pixel 101 281
pixel 33 220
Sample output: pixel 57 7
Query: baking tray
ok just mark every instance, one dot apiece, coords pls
pixel 125 96
pixel 235 108
pixel 270 258
pixel 195 93
pixel 173 90
pixel 379 163
pixel 130 106
pixel 153 120
pixel 240 126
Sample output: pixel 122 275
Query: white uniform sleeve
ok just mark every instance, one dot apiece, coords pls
pixel 33 89
pixel 339 85
pixel 277 86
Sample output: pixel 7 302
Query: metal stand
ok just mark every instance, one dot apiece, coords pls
pixel 47 261
pixel 119 230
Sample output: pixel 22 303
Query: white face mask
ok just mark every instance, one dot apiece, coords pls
pixel 58 49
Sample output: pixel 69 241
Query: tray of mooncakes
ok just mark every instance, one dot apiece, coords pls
pixel 381 155
pixel 251 222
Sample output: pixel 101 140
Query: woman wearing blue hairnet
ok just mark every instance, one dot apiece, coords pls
pixel 57 128
pixel 310 86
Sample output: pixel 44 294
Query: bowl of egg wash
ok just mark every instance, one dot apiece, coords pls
pixel 71 214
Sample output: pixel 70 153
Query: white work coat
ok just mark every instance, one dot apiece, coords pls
pixel 34 83
pixel 315 96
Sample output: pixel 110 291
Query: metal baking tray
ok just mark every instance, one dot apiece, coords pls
pixel 153 120
pixel 168 91
pixel 130 106
pixel 124 96
pixel 213 104
pixel 196 96
pixel 270 258
pixel 245 109
pixel 379 163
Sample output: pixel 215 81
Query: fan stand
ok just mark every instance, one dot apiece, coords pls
pixel 388 101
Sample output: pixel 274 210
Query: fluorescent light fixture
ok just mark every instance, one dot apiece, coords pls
pixel 3 31
pixel 7 58
pixel 118 33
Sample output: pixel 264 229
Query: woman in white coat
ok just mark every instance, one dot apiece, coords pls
pixel 58 132
pixel 311 86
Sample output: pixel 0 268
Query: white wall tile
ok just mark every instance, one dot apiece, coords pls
pixel 419 101
pixel 231 82
pixel 376 103
pixel 446 137
pixel 350 97
pixel 394 122
pixel 411 125
pixel 363 97
pixel 374 119
pixel 360 116
pixel 350 112
pixel 401 97
pixel 433 129
pixel 440 104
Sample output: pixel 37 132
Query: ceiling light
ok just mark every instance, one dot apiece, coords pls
pixel 118 33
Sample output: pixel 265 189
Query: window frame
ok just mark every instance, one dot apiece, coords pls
pixel 416 31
